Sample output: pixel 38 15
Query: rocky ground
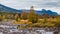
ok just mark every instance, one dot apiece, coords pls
pixel 24 31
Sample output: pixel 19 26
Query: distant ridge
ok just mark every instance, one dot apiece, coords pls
pixel 8 9
pixel 43 11
pixel 40 12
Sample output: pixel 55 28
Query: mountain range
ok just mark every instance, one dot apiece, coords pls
pixel 40 12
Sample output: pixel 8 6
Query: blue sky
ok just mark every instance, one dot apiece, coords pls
pixel 53 5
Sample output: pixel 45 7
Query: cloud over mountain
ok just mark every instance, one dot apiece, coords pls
pixel 53 5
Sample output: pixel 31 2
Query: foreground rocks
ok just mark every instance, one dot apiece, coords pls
pixel 27 31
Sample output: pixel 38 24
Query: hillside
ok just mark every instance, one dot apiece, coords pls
pixel 40 12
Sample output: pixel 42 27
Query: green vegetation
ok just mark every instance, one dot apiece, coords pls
pixel 31 19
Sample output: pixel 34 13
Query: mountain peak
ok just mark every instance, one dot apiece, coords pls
pixel 8 9
pixel 40 12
